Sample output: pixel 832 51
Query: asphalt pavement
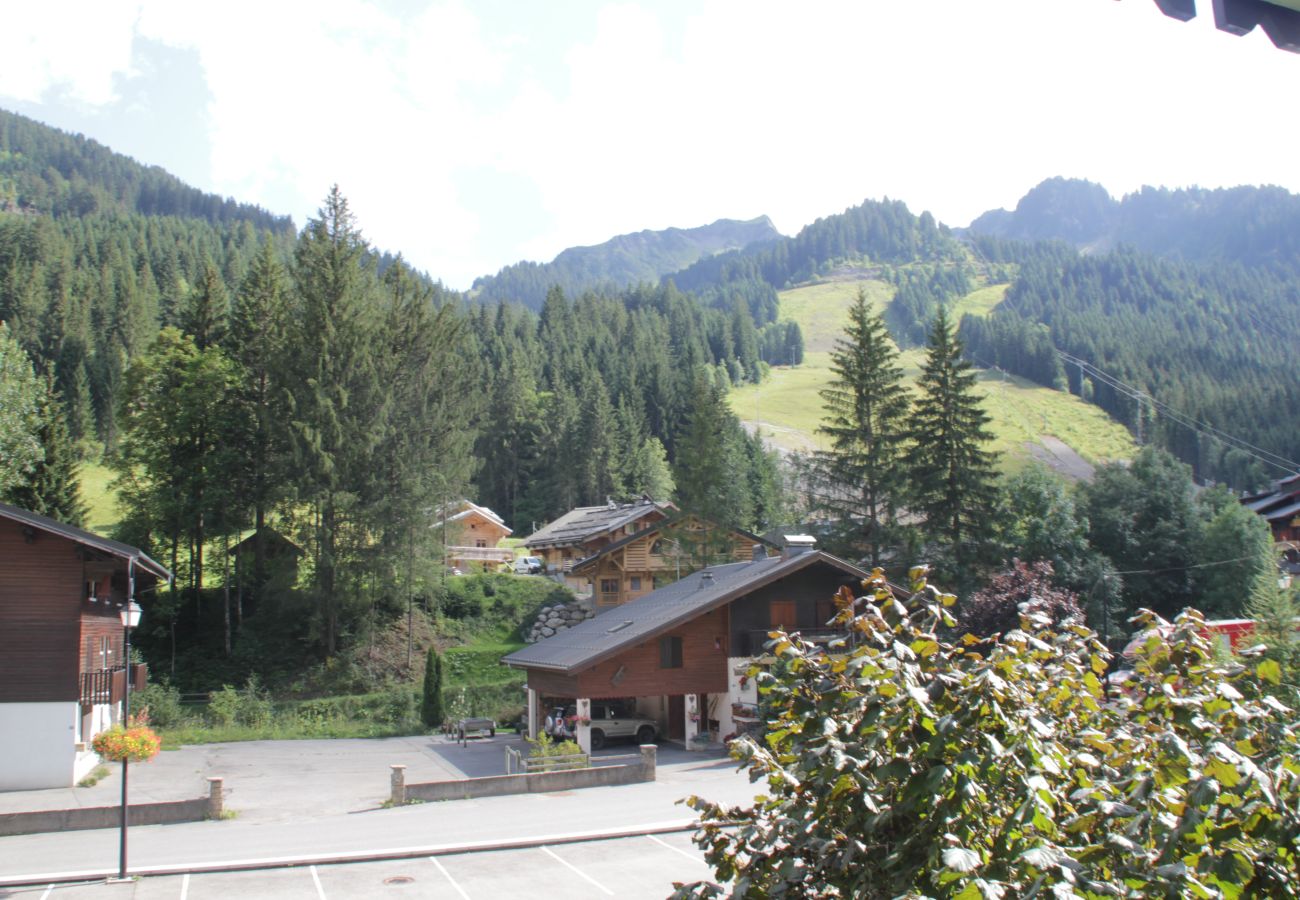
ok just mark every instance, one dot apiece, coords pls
pixel 322 802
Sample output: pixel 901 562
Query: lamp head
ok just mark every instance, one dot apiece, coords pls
pixel 131 615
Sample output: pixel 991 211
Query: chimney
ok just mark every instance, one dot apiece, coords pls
pixel 706 580
pixel 759 552
pixel 798 544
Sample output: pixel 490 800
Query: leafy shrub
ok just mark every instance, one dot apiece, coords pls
pixel 250 706
pixel 162 702
pixel 905 764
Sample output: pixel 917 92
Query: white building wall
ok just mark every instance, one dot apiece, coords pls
pixel 38 746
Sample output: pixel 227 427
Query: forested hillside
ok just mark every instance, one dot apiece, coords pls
pixel 1253 226
pixel 620 262
pixel 1175 350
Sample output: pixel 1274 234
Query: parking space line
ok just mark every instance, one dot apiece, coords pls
pixel 447 875
pixel 320 891
pixel 690 856
pixel 47 892
pixel 185 886
pixel 576 870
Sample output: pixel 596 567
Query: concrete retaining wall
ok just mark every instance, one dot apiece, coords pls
pixel 81 819
pixel 534 783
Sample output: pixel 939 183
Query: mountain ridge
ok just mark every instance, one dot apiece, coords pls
pixel 623 260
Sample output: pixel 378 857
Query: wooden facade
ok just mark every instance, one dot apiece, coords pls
pixel 470 537
pixel 62 666
pixel 660 554
pixel 42 603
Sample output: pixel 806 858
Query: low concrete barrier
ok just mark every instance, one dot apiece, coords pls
pixel 84 818
pixel 529 783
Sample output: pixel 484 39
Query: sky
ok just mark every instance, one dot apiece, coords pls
pixel 469 136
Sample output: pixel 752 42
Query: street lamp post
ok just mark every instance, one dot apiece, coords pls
pixel 130 619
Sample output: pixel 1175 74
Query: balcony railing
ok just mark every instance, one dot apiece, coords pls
pixel 109 685
pixel 481 554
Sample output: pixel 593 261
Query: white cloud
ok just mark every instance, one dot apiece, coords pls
pixel 79 47
pixel 642 119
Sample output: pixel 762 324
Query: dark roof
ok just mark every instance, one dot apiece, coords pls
pixel 1286 491
pixel 658 526
pixel 85 538
pixel 272 539
pixel 646 617
pixel 580 525
pixel 1285 512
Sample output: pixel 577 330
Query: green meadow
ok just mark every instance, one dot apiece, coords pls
pixel 1025 415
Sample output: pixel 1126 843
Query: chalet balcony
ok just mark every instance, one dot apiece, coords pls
pixel 494 555
pixel 106 686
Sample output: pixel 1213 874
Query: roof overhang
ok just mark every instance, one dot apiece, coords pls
pixel 132 555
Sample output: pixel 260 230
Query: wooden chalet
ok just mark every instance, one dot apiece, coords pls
pixel 583 532
pixel 681 654
pixel 62 671
pixel 661 553
pixel 471 534
pixel 1280 505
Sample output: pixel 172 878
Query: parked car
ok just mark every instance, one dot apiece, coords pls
pixel 529 565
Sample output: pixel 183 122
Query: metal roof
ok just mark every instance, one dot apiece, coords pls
pixel 580 525
pixel 86 538
pixel 646 617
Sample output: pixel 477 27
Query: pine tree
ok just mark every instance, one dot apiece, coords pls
pixel 431 712
pixel 20 393
pixel 860 481
pixel 204 317
pixel 257 341
pixel 711 466
pixel 53 487
pixel 331 426
pixel 952 468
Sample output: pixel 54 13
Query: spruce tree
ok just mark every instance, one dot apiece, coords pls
pixel 257 341
pixel 204 317
pixel 431 712
pixel 860 481
pixel 711 466
pixel 53 487
pixel 952 468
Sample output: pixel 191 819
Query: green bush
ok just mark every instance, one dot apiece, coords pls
pixel 161 702
pixel 906 765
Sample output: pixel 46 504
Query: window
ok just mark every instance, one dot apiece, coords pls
pixel 609 585
pixel 781 614
pixel 636 582
pixel 480 542
pixel 670 653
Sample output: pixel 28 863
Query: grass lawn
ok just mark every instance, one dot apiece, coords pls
pixel 100 500
pixel 788 405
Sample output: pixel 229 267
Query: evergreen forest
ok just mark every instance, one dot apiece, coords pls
pixel 238 373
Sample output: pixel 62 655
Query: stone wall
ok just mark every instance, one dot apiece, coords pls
pixel 88 817
pixel 533 783
pixel 556 618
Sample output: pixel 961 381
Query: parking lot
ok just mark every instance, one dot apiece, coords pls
pixel 632 867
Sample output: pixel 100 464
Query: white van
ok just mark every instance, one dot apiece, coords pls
pixel 528 565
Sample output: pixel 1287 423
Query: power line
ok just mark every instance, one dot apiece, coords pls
pixel 1267 457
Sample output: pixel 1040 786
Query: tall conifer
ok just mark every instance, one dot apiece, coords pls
pixel 861 479
pixel 952 467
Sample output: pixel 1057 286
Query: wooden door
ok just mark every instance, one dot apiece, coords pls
pixel 782 614
pixel 677 717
